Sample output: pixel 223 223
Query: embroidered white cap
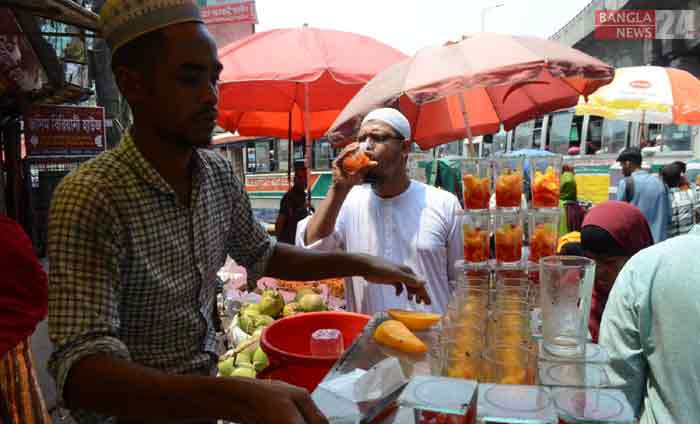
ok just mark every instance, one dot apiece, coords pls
pixel 125 20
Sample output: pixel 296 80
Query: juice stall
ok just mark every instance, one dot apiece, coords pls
pixel 512 346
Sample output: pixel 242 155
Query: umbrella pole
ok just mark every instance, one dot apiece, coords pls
pixel 465 116
pixel 290 148
pixel 307 129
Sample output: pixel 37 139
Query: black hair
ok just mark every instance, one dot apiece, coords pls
pixel 140 53
pixel 631 154
pixel 599 241
pixel 572 248
pixel 682 165
pixel 671 174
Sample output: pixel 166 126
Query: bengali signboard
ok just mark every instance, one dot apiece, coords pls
pixel 64 130
pixel 215 12
pixel 271 182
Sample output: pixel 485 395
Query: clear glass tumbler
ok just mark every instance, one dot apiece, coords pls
pixel 476 183
pixel 508 234
pixel 545 173
pixel 566 285
pixel 509 182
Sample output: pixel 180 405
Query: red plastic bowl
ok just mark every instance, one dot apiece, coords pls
pixel 287 343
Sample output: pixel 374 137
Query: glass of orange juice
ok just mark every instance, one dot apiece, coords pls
pixel 508 234
pixel 507 364
pixel 544 232
pixel 545 175
pixel 476 230
pixel 476 183
pixel 509 182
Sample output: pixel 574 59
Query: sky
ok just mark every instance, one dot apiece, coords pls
pixel 409 25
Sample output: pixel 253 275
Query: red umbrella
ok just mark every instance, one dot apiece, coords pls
pixel 289 83
pixel 473 86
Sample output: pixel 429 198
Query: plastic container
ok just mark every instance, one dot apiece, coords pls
pixel 288 347
pixel 476 183
pixel 545 174
pixel 356 161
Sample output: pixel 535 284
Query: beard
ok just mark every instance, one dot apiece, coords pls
pixel 373 178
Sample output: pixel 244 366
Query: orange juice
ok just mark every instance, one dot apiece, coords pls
pixel 477 192
pixel 509 190
pixel 545 189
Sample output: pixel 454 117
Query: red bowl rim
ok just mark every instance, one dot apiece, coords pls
pixel 305 358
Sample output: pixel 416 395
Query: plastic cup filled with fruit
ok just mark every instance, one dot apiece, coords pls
pixel 476 183
pixel 476 226
pixel 545 172
pixel 509 182
pixel 508 235
pixel 544 226
pixel 507 364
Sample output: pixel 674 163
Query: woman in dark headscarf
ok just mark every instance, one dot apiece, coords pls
pixel 612 232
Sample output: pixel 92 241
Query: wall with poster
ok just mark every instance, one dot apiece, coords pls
pixel 20 68
pixel 593 182
pixel 51 130
pixel 229 20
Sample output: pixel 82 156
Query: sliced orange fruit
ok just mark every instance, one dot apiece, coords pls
pixel 396 335
pixel 416 321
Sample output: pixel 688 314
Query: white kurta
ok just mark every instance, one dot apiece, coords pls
pixel 420 228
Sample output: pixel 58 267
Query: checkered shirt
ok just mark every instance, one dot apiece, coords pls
pixel 684 205
pixel 132 270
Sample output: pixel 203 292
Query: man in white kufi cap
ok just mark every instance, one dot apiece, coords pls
pixel 381 211
pixel 137 236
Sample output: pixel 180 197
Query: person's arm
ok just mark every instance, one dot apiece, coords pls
pixel 282 216
pixel 156 395
pixel 322 223
pixel 296 263
pixel 92 367
pixel 620 335
pixel 455 242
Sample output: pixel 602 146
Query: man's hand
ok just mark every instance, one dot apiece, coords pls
pixel 280 403
pixel 383 272
pixel 344 180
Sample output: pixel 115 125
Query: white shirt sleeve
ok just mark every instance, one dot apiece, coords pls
pixel 455 241
pixel 621 336
pixel 333 242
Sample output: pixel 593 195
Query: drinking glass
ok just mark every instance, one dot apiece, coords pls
pixel 464 346
pixel 509 182
pixel 476 230
pixel 545 172
pixel 476 183
pixel 506 364
pixel 544 232
pixel 579 406
pixel 508 233
pixel 508 328
pixel 566 285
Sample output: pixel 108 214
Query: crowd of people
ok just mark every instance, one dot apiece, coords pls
pixel 644 308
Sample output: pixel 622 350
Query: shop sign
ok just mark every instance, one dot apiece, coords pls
pixel 215 12
pixel 64 130
pixel 271 183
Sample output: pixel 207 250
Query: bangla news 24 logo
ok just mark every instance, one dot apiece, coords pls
pixel 646 24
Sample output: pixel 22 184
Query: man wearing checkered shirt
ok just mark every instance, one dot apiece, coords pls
pixel 684 205
pixel 137 235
